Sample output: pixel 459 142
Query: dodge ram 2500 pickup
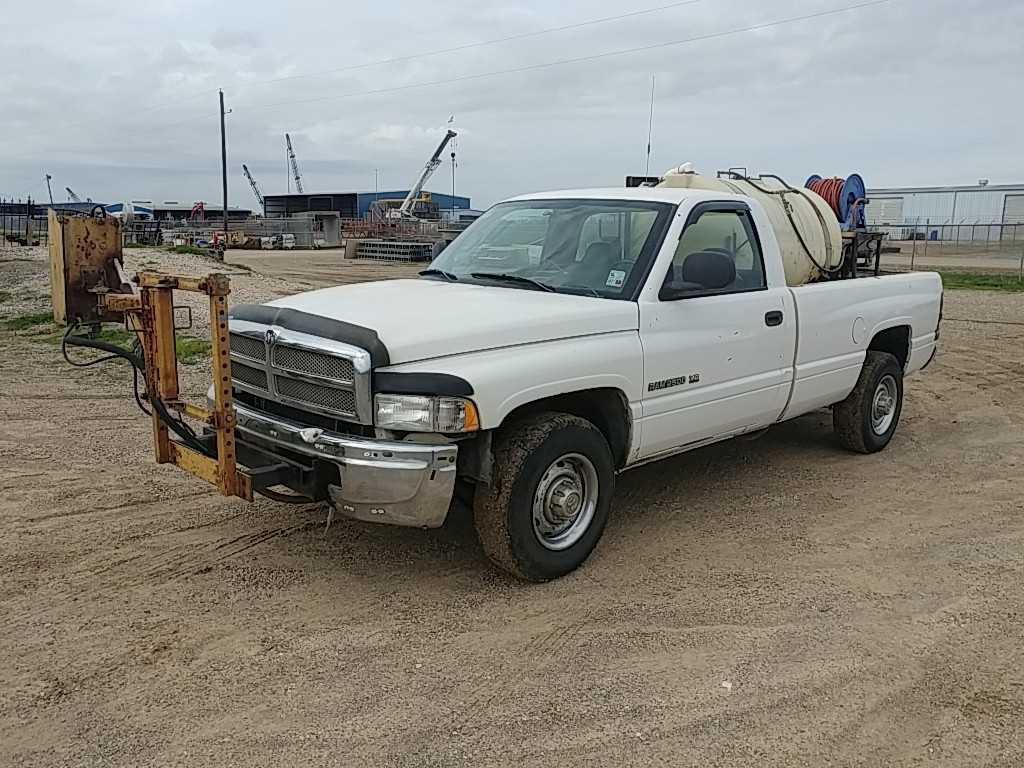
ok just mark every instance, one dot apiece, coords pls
pixel 563 338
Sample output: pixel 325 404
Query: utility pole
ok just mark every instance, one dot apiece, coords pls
pixel 224 169
pixel 50 191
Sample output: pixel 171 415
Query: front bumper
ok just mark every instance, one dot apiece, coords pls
pixel 381 481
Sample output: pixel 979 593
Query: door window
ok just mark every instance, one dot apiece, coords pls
pixel 707 247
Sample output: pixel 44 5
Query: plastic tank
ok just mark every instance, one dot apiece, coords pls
pixel 809 219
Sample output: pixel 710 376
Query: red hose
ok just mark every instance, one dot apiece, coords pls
pixel 830 190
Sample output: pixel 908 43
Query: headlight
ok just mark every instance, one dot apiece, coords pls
pixel 419 413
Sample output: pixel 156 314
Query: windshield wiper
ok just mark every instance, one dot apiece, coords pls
pixel 585 289
pixel 505 277
pixel 449 276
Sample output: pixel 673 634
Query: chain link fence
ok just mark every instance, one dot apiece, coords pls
pixel 978 247
pixel 985 236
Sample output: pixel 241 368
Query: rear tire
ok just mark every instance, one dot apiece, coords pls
pixel 547 503
pixel 866 420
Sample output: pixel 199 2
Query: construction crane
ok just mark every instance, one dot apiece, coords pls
pixel 72 196
pixel 255 187
pixel 294 164
pixel 432 165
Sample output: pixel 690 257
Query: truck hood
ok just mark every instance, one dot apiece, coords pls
pixel 423 319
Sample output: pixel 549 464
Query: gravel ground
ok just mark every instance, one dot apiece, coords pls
pixel 767 602
pixel 246 287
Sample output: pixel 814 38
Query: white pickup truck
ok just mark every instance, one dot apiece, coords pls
pixel 563 338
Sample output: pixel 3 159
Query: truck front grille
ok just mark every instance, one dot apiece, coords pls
pixel 248 346
pixel 313 364
pixel 254 377
pixel 341 401
pixel 285 366
pixel 330 423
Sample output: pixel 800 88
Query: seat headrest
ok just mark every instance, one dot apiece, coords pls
pixel 712 269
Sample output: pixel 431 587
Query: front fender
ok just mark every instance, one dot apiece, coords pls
pixel 509 377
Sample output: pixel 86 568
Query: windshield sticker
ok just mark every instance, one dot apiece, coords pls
pixel 616 278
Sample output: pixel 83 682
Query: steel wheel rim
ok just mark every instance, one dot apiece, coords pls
pixel 565 501
pixel 883 405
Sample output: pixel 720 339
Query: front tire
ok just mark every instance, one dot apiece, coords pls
pixel 866 420
pixel 548 500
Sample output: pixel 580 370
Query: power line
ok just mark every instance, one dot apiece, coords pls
pixel 495 41
pixel 575 60
pixel 413 56
pixel 562 62
pixel 545 65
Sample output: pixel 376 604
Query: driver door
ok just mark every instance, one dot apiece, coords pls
pixel 717 360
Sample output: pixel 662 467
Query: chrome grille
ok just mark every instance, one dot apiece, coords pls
pixel 247 346
pixel 313 363
pixel 318 375
pixel 332 398
pixel 254 377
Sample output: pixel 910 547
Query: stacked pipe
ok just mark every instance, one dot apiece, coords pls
pixel 846 197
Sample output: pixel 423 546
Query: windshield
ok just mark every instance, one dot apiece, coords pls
pixel 588 247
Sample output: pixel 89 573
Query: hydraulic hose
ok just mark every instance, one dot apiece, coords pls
pixel 846 197
pixel 830 190
pixel 787 189
pixel 179 428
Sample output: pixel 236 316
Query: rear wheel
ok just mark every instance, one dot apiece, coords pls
pixel 866 420
pixel 547 503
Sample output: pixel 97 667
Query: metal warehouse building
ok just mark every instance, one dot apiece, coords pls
pixel 976 212
pixel 349 205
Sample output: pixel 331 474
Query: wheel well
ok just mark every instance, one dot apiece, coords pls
pixel 895 341
pixel 606 409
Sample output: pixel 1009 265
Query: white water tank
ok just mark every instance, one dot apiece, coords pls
pixel 809 219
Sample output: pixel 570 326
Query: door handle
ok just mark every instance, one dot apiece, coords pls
pixel 773 318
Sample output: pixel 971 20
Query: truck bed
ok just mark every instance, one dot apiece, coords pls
pixel 837 320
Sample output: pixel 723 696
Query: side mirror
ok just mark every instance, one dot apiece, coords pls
pixel 702 271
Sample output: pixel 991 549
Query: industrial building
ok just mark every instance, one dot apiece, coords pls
pixel 348 205
pixel 172 210
pixel 970 212
pixel 39 208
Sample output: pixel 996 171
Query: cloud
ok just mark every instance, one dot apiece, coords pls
pixel 125 105
pixel 233 38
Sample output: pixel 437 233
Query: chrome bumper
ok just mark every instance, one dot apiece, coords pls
pixel 381 481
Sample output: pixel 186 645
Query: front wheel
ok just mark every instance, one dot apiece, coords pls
pixel 866 420
pixel 548 500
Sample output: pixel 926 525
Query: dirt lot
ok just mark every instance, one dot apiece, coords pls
pixel 773 602
pixel 313 269
pixel 316 269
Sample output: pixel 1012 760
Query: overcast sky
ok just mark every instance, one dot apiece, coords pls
pixel 119 100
